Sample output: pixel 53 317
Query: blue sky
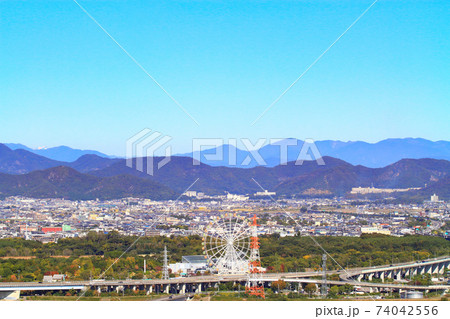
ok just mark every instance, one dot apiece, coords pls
pixel 65 82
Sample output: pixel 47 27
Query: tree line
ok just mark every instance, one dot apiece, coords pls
pixel 88 257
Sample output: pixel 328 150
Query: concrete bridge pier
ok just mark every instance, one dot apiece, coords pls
pixel 167 289
pixel 187 288
pixel 407 272
pixel 389 274
pixel 150 290
pixel 441 268
pixel 10 295
pixel 434 269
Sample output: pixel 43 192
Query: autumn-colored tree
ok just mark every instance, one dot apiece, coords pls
pixel 278 285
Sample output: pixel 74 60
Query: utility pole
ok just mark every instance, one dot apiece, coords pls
pixel 324 276
pixel 165 273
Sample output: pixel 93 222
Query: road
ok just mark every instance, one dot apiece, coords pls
pixel 212 279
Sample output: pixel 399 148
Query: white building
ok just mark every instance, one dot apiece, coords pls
pixel 375 230
pixel 265 193
pixel 434 198
pixel 237 198
pixel 189 264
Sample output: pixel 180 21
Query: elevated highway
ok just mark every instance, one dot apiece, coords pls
pixel 197 284
pixel 398 271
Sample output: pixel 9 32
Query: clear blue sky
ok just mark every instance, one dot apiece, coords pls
pixel 63 81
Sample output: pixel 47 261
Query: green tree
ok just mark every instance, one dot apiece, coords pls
pixel 310 289
pixel 334 292
pixel 346 289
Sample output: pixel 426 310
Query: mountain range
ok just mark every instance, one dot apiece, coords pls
pixel 374 155
pixel 90 176
pixel 58 153
pixel 336 177
pixel 65 182
pixel 21 161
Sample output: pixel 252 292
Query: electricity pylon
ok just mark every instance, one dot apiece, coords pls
pixel 165 270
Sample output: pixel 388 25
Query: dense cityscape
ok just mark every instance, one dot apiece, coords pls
pixel 48 220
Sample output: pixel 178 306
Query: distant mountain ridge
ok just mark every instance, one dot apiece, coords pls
pixel 21 161
pixel 373 155
pixel 112 178
pixel 58 153
pixel 28 174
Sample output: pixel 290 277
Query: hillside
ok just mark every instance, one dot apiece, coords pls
pixel 65 182
pixel 336 177
pixel 341 179
pixel 22 161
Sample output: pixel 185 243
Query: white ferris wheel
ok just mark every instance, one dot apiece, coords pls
pixel 226 244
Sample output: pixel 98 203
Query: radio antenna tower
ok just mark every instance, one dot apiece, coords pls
pixel 254 286
pixel 165 270
pixel 324 288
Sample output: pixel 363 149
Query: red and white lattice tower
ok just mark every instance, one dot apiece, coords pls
pixel 254 286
